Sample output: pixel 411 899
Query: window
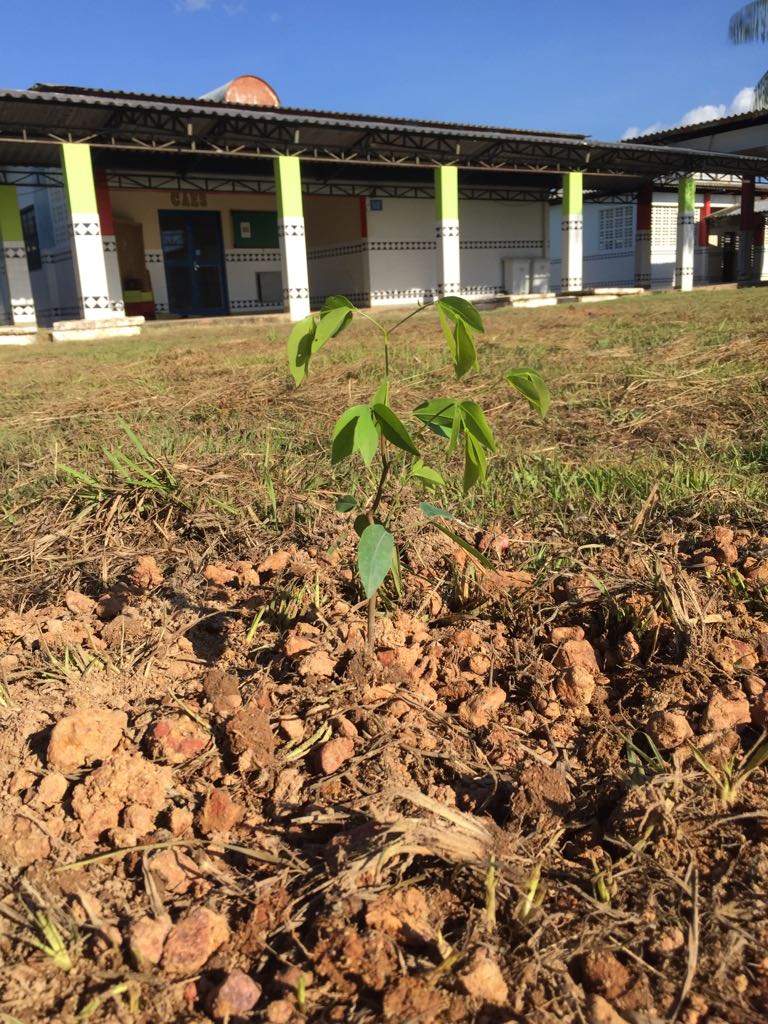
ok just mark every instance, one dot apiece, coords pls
pixel 616 228
pixel 32 242
pixel 664 226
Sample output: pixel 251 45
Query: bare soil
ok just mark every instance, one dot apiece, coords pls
pixel 216 804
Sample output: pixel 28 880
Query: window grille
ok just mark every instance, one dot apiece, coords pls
pixel 616 228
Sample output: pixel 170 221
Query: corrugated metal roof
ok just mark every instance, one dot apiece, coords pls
pixel 189 103
pixel 748 119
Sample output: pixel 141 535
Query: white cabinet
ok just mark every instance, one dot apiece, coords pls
pixel 526 276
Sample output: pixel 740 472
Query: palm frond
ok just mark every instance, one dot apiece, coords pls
pixel 750 23
pixel 761 93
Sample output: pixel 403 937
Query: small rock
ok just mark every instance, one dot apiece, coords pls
pixel 318 664
pixel 601 1012
pixel 175 739
pixel 219 575
pixel 577 653
pixel 760 711
pixel 668 730
pixel 194 940
pixel 628 648
pixel 731 654
pixel 121 628
pixel 725 554
pixel 174 870
pixel 85 737
pixel 480 664
pixel 235 997
pixel 249 732
pixel 575 687
pixel 726 712
pixel 478 711
pixel 347 728
pixel 292 727
pixel 753 686
pixel 223 691
pixel 220 812
pixel 146 573
pixel 146 938
pixel 139 819
pixel 30 845
pixel 670 941
pixel 276 562
pixel 280 1011
pixel 78 603
pixel 181 820
pixel 112 604
pixel 295 645
pixel 560 634
pixel 335 753
pixel 468 640
pixel 484 981
pixel 122 781
pixel 51 789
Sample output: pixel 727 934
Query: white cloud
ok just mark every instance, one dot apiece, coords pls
pixel 189 6
pixel 742 103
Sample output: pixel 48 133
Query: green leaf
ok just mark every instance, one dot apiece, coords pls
pixel 336 302
pixel 346 503
pixel 428 476
pixel 476 424
pixel 344 433
pixel 382 394
pixel 466 352
pixel 456 427
pixel 300 348
pixel 434 511
pixel 474 462
pixel 459 309
pixel 361 523
pixel 465 545
pixel 447 332
pixel 366 435
pixel 374 557
pixel 531 386
pixel 437 415
pixel 331 323
pixel 397 574
pixel 393 430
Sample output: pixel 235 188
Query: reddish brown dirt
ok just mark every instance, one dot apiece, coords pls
pixel 473 825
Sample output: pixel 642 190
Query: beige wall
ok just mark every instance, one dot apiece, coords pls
pixel 142 206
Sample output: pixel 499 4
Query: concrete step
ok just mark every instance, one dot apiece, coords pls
pixel 97 330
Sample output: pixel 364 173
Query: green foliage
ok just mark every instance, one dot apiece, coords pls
pixel 748 25
pixel 376 429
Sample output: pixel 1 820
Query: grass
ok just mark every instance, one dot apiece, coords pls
pixel 198 427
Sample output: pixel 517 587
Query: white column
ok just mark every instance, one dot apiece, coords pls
pixel 292 234
pixel 109 244
pixel 447 231
pixel 573 232
pixel 686 234
pixel 87 242
pixel 15 258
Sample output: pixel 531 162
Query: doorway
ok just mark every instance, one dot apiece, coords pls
pixel 193 254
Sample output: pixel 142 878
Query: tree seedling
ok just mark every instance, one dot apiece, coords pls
pixel 734 773
pixel 376 434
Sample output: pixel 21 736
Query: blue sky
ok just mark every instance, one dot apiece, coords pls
pixel 602 67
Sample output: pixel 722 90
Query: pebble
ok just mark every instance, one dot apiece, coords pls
pixel 483 980
pixel 85 737
pixel 236 996
pixel 668 730
pixel 335 753
pixel 220 812
pixel 194 940
pixel 176 739
pixel 726 712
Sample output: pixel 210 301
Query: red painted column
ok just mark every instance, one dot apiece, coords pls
pixel 703 226
pixel 104 206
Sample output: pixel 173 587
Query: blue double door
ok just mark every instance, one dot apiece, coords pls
pixel 193 254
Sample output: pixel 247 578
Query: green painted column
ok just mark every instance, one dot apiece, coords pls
pixel 15 259
pixel 85 226
pixel 686 233
pixel 447 231
pixel 572 225
pixel 292 234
